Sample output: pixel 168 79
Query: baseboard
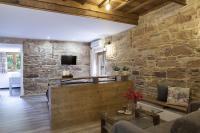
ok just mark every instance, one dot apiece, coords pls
pixel 32 95
pixel 4 88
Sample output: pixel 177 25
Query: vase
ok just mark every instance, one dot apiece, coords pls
pixel 131 106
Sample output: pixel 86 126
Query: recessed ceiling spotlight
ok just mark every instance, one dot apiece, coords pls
pixel 108 6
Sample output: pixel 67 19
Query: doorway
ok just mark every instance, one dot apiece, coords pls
pixel 11 70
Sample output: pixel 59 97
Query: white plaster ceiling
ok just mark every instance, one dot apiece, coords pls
pixel 35 24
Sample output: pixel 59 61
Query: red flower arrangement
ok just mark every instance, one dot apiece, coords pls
pixel 131 94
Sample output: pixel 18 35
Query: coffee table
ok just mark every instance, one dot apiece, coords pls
pixel 109 119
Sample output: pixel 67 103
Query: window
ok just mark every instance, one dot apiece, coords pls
pixel 13 62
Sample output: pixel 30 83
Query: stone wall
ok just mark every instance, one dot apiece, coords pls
pixel 42 62
pixel 164 47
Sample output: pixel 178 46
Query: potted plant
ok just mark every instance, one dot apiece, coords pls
pixel 133 97
pixel 116 70
pixel 125 70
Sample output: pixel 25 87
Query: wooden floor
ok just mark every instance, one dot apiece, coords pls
pixel 30 115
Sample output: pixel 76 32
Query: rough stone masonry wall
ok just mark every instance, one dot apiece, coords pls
pixel 164 47
pixel 42 62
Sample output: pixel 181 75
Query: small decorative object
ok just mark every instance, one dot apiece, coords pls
pixel 116 70
pixel 125 70
pixel 66 74
pixel 128 112
pixel 120 111
pixel 124 108
pixel 133 97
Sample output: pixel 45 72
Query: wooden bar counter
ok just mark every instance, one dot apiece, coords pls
pixel 75 104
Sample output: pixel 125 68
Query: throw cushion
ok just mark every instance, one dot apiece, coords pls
pixel 162 92
pixel 178 96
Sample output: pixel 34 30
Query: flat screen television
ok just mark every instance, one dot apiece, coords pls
pixel 68 60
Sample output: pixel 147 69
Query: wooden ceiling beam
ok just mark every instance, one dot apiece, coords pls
pixel 141 6
pixel 85 8
pixel 120 1
pixel 99 1
pixel 55 7
pixel 160 4
pixel 123 4
pixel 101 4
pixel 104 1
pixel 79 1
pixel 164 3
pixel 90 7
pixel 181 2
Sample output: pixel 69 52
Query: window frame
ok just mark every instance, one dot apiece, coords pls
pixel 16 57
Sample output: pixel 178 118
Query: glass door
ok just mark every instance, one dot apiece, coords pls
pixel 101 64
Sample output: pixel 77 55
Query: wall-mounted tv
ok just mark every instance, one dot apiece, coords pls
pixel 68 60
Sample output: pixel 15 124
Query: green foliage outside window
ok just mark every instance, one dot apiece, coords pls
pixel 13 61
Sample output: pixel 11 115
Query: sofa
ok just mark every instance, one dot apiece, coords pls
pixel 190 123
